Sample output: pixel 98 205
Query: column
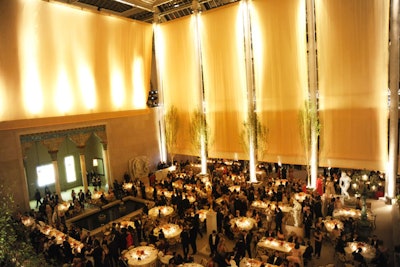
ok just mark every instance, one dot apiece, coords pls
pixel 53 145
pixel 82 162
pixel 312 73
pixel 103 140
pixel 80 141
pixel 394 101
pixel 108 177
pixel 53 155
pixel 196 7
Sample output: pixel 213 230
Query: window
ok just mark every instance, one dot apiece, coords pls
pixel 45 174
pixel 70 168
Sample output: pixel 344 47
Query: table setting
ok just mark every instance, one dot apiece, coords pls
pixel 141 256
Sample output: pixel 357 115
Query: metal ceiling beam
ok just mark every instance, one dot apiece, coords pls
pixel 138 4
pixel 160 2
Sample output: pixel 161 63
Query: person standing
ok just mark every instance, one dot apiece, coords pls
pixel 248 239
pixel 193 238
pixel 38 198
pixel 213 241
pixel 278 218
pixel 318 236
pixel 185 240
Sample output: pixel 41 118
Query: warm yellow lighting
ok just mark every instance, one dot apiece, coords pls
pixel 29 43
pixel 87 86
pixel 139 95
pixel 63 96
pixel 117 88
pixel 203 154
pixel 3 106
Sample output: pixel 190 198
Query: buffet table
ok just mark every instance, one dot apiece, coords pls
pixel 143 256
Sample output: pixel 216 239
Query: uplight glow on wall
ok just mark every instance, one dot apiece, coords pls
pixel 117 88
pixel 139 96
pixel 87 85
pixel 28 45
pixel 2 97
pixel 63 95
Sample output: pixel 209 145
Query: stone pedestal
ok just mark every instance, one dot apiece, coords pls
pixel 211 221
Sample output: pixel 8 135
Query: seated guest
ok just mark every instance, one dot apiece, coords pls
pixel 307 255
pixel 270 233
pixel 295 255
pixel 280 235
pixel 358 258
pixel 275 259
pixel 341 244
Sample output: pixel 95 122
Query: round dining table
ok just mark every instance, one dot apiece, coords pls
pixel 161 211
pixel 243 223
pixel 170 230
pixel 142 256
pixel 191 264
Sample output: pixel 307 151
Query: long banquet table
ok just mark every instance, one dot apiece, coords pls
pixel 50 232
pixel 248 262
pixel 350 212
pixel 270 243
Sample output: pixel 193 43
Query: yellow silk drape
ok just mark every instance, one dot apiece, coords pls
pixel 57 60
pixel 179 71
pixel 352 39
pixel 224 80
pixel 280 69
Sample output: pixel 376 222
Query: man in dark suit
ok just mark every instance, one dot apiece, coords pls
pixel 138 227
pixel 248 238
pixel 185 240
pixel 275 259
pixel 213 240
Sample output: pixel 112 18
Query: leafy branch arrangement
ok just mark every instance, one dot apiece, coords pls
pixel 198 130
pixel 254 130
pixel 171 119
pixel 308 122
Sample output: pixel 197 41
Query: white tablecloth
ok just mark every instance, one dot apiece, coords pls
pixel 279 245
pixel 142 256
pixel 368 251
pixel 161 210
pixel 170 230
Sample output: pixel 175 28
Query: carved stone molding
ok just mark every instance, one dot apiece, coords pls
pixel 53 144
pixel 80 139
pixel 139 167
pixel 103 138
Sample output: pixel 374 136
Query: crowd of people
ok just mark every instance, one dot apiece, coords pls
pixel 215 194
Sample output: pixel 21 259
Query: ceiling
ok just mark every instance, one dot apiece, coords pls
pixel 149 10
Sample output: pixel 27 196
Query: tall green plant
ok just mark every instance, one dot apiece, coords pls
pixel 198 129
pixel 253 127
pixel 171 119
pixel 15 248
pixel 308 122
